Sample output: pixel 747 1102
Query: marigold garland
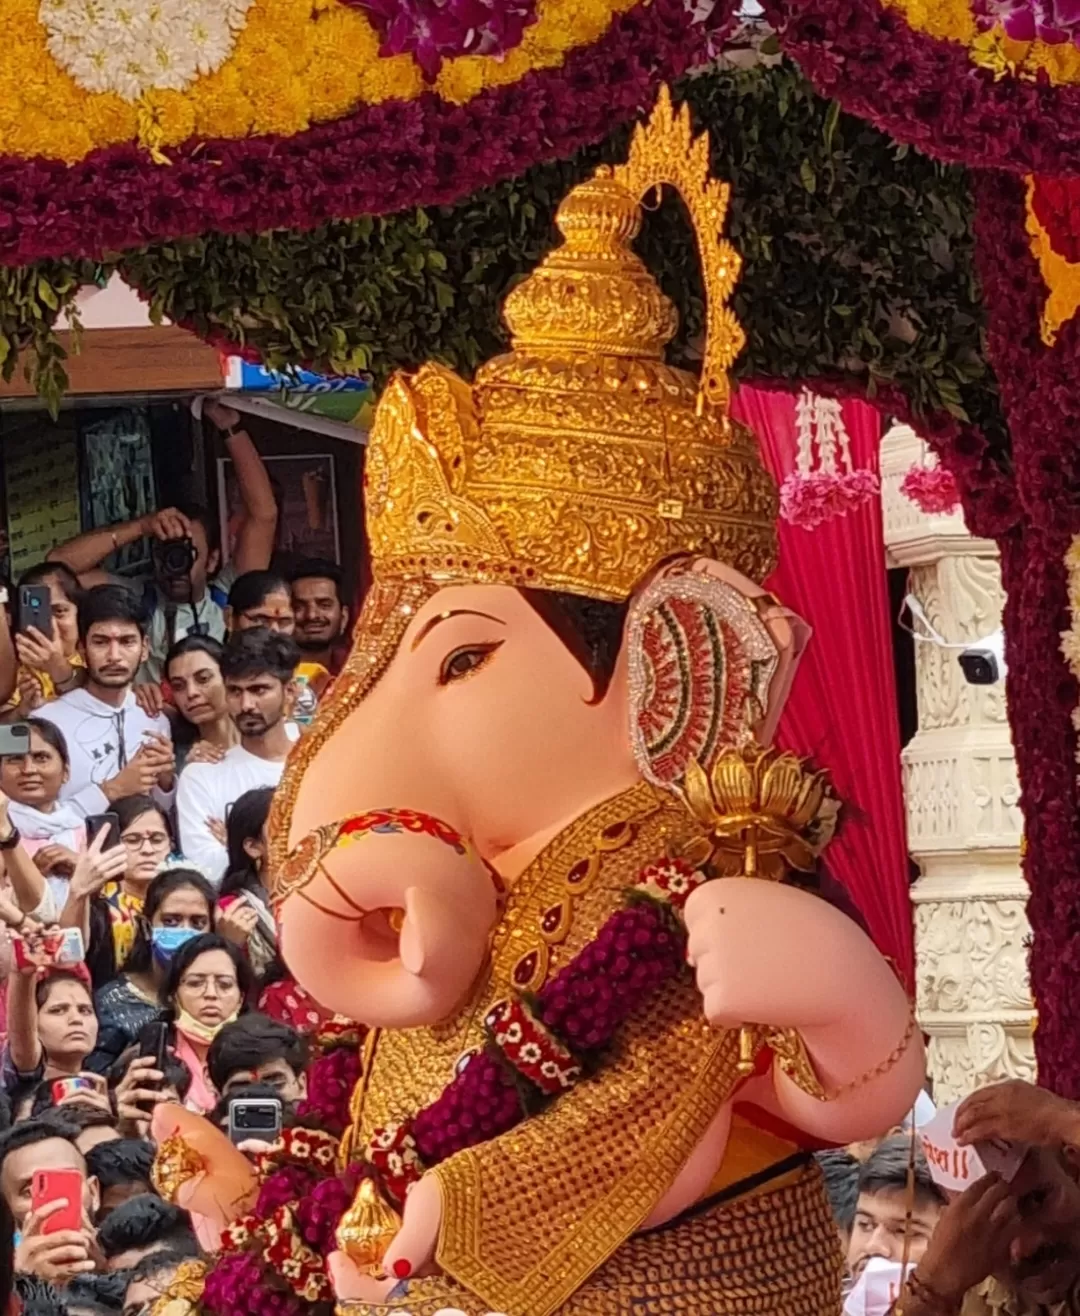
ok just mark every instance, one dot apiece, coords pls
pixel 291 65
pixel 266 168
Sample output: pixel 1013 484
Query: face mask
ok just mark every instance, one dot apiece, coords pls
pixel 167 941
pixel 195 1031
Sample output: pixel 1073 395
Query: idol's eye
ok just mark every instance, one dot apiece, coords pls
pixel 466 660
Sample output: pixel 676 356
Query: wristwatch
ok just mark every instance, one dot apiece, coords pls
pixel 12 839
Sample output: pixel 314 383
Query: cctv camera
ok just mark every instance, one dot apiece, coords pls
pixel 984 663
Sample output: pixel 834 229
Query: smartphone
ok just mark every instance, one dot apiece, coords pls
pixel 254 1118
pixel 98 822
pixel 154 1043
pixel 14 740
pixel 56 948
pixel 34 608
pixel 51 1186
pixel 67 1087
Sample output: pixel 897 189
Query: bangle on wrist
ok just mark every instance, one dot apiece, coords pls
pixel 927 1297
pixel 12 839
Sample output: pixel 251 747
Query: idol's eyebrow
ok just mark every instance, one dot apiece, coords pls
pixel 432 622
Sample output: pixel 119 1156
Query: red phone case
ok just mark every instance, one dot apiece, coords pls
pixel 51 1185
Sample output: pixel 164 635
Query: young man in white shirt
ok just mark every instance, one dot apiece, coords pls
pixel 114 747
pixel 258 668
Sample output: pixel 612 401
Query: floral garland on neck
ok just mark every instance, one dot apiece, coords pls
pixel 539 1047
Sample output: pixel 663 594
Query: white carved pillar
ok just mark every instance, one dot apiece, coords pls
pixel 962 798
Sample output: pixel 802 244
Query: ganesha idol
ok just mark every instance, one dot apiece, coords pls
pixel 538 843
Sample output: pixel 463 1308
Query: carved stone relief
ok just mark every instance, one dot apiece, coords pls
pixel 963 807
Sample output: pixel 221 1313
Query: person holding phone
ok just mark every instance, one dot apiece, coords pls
pixel 50 663
pixel 44 1184
pixel 179 906
pixel 114 911
pixel 52 833
pixel 52 1024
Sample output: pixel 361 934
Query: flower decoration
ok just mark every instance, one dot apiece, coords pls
pixel 932 489
pixel 261 139
pixel 1053 21
pixel 931 74
pixel 130 49
pixel 433 30
pixel 824 484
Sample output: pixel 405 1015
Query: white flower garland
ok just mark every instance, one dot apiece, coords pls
pixel 131 47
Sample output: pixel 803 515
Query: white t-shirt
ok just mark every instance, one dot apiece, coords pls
pixel 207 790
pixel 101 740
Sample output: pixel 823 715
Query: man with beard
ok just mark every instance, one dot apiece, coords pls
pixel 1009 1249
pixel 115 748
pixel 258 667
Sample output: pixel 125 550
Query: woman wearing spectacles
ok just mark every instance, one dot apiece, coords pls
pixel 108 914
pixel 208 984
pixel 179 907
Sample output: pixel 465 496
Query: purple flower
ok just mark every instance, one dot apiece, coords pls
pixel 434 30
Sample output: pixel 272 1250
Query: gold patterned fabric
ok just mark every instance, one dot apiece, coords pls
pixel 774 1254
pixel 529 1216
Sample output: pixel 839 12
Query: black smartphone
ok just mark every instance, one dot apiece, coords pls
pixel 153 1045
pixel 98 822
pixel 14 740
pixel 34 608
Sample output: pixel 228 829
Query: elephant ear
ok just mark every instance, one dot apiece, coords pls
pixel 701 661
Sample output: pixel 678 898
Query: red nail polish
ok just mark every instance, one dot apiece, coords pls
pixel 402 1268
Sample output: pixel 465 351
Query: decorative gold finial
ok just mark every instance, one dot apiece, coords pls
pixel 367 1228
pixel 665 150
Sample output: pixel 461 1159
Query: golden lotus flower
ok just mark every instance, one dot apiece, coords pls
pixel 764 810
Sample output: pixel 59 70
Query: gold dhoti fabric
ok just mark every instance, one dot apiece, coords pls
pixel 773 1254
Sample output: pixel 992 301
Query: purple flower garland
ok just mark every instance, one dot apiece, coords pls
pixel 926 91
pixel 378 159
pixel 1040 390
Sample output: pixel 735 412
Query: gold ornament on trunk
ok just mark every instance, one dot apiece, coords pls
pixel 368 1228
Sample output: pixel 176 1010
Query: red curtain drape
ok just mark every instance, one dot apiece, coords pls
pixel 842 711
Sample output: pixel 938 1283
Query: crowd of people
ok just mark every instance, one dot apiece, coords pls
pixel 143 727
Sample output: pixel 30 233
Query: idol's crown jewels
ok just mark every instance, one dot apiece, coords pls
pixel 579 460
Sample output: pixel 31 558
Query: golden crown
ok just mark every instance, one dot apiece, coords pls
pixel 579 460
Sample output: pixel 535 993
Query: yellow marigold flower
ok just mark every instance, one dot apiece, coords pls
pixel 39 134
pixel 108 119
pixel 332 93
pixel 949 20
pixel 399 76
pixel 463 78
pixel 1061 62
pixel 281 109
pixel 221 106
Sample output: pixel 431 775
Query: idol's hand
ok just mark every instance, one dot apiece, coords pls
pixel 410 1256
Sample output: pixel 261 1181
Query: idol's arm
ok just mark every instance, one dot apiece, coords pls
pixel 810 969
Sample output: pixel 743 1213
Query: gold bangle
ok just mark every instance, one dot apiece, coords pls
pixel 890 1062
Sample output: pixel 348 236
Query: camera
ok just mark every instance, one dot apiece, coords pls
pixel 174 558
pixel 252 1118
pixel 984 663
